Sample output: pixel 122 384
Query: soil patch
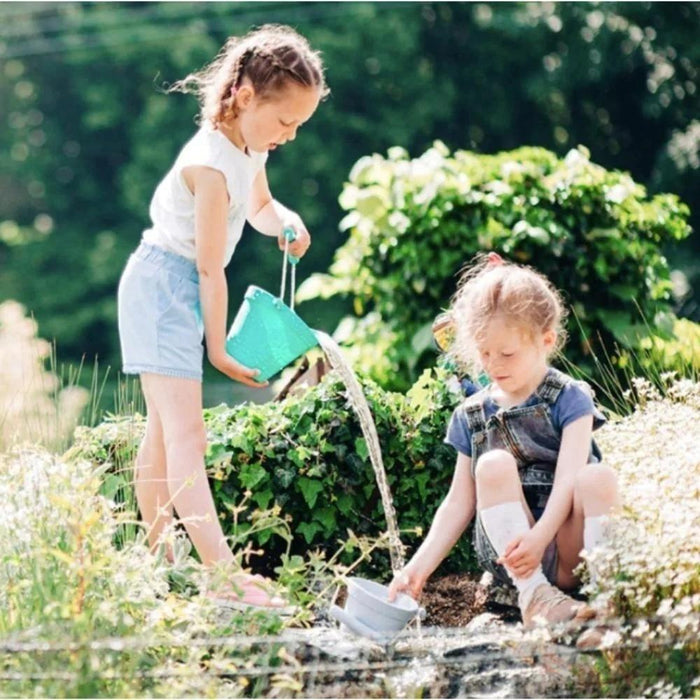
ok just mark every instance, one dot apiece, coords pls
pixel 453 600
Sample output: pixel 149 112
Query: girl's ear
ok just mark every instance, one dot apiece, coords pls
pixel 549 339
pixel 244 95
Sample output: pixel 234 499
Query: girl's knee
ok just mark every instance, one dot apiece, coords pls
pixel 494 466
pixel 153 435
pixel 191 437
pixel 596 482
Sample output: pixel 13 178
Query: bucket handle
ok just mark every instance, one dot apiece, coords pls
pixel 289 235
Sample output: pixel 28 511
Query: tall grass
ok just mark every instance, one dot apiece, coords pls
pixel 35 406
pixel 615 373
pixel 82 617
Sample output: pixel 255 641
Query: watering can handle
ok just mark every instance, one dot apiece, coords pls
pixel 289 235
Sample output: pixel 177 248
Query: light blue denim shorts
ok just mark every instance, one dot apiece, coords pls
pixel 160 320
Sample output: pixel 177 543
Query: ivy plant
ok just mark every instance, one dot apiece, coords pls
pixel 306 458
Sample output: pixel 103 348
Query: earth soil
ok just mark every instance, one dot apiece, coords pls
pixel 453 600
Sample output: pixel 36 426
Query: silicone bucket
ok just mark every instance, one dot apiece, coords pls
pixel 266 334
pixel 368 612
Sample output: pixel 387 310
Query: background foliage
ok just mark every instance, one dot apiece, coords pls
pixel 413 223
pixel 88 132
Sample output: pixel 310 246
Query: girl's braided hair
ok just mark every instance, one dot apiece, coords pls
pixel 271 57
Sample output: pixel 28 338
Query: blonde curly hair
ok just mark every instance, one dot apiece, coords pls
pixel 272 57
pixel 492 287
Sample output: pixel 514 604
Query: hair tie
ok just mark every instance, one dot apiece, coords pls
pixel 494 259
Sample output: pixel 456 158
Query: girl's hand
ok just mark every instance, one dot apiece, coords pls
pixel 523 554
pixel 301 243
pixel 407 581
pixel 228 366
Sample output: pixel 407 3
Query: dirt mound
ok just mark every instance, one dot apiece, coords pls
pixel 453 600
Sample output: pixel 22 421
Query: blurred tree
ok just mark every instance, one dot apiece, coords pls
pixel 88 131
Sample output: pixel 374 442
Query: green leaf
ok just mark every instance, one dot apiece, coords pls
pixel 308 530
pixel 285 475
pixel 422 339
pixel 361 448
pixel 624 330
pixel 251 475
pixel 263 498
pixel 111 485
pixel 327 517
pixel 310 488
pixel 344 503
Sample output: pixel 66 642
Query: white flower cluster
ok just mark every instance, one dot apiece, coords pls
pixel 648 573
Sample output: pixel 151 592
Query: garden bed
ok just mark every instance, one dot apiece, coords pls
pixel 453 600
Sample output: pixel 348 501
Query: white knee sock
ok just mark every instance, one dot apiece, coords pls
pixel 503 523
pixel 594 532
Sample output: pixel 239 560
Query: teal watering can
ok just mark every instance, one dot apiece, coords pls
pixel 266 334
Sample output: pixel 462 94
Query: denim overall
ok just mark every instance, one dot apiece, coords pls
pixel 525 431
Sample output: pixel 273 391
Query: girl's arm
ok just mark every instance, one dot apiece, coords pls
pixel 269 217
pixel 450 521
pixel 525 553
pixel 210 211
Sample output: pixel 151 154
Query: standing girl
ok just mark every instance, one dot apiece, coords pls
pixel 254 97
pixel 527 467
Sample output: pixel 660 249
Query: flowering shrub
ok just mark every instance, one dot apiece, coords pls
pixel 648 575
pixel 414 222
pixel 33 406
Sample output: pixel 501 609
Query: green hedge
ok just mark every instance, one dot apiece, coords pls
pixel 414 223
pixel 307 455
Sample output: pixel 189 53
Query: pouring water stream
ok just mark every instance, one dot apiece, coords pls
pixel 359 403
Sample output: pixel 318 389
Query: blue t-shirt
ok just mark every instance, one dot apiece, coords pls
pixel 573 402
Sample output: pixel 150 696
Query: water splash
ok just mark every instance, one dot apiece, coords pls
pixel 369 430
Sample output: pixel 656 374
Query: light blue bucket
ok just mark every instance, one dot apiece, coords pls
pixel 368 612
pixel 266 334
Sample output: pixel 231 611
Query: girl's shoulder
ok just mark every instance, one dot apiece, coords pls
pixel 210 146
pixel 576 399
pixel 202 148
pixel 477 398
pixel 476 407
pixel 570 386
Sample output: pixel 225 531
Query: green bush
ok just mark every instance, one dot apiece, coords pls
pixel 308 456
pixel 414 223
pixel 679 354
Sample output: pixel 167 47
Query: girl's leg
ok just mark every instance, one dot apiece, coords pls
pixel 151 483
pixel 595 495
pixel 504 514
pixel 178 403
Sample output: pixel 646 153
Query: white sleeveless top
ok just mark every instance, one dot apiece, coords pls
pixel 172 205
